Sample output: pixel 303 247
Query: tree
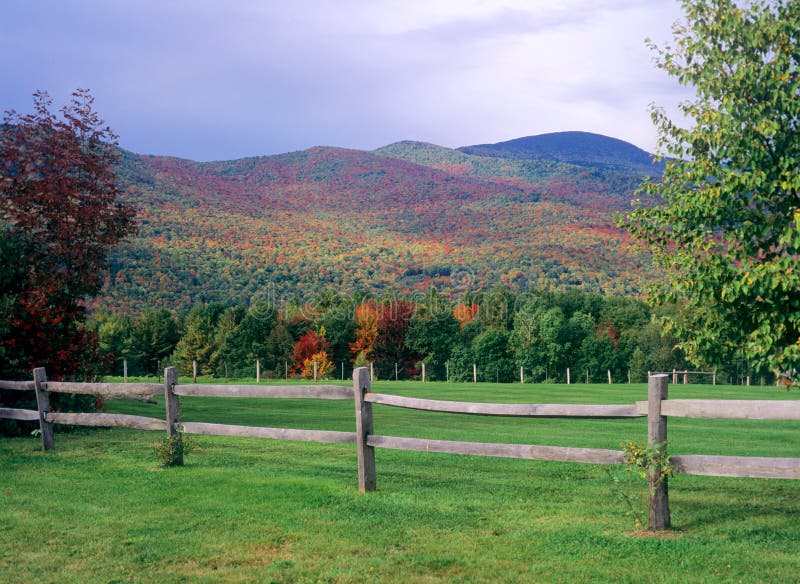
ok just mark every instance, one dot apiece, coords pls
pixel 115 336
pixel 728 233
pixel 308 349
pixel 155 336
pixel 540 341
pixel 58 203
pixel 324 366
pixel 339 327
pixel 432 336
pixel 394 318
pixel 493 356
pixel 248 340
pixel 197 343
pixel 366 333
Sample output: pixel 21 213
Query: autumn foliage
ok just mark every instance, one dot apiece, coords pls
pixel 464 313
pixel 308 347
pixel 60 217
pixel 366 319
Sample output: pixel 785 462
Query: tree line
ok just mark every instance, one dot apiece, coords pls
pixel 498 332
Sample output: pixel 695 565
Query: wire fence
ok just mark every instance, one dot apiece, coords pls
pixel 472 373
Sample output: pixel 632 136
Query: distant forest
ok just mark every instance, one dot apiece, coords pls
pixel 498 332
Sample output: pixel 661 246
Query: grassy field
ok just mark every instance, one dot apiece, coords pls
pixel 99 509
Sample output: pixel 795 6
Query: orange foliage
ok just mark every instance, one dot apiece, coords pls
pixel 366 319
pixel 465 313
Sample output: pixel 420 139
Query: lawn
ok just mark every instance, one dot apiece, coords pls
pixel 99 509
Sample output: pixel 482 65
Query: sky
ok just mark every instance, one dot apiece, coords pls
pixel 218 80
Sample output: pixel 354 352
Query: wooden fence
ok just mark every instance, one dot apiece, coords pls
pixel 657 409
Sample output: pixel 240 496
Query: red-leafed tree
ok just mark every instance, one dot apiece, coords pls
pixel 393 320
pixel 59 217
pixel 309 346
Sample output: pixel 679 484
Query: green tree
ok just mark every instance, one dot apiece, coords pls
pixel 340 327
pixel 728 233
pixel 493 356
pixel 115 335
pixel 432 336
pixel 198 341
pixel 248 341
pixel 595 357
pixel 155 335
pixel 497 308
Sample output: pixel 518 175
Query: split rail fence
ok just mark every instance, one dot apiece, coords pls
pixel 657 409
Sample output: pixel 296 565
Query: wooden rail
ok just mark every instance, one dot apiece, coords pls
pixel 730 409
pixel 102 420
pixel 737 466
pixel 507 410
pixel 326 436
pixel 526 451
pixel 17 385
pixel 17 414
pixel 266 391
pixel 109 389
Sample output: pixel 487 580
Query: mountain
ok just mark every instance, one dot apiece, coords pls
pixel 597 187
pixel 402 218
pixel 578 148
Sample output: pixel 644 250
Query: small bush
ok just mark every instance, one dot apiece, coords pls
pixel 171 450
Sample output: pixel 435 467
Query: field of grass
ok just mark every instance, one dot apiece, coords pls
pixel 99 509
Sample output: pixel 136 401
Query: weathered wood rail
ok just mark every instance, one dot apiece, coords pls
pixel 657 409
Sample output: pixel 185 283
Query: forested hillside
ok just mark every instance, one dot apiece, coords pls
pixel 402 218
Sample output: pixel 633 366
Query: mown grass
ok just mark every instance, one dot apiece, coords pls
pixel 98 509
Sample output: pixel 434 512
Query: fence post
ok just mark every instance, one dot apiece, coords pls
pixel 258 371
pixel 43 405
pixel 366 454
pixel 658 509
pixel 173 404
pixel 521 375
pixel 609 376
pixel 125 370
pixel 315 371
pixel 474 373
pixel 423 373
pixel 568 380
pixel 194 371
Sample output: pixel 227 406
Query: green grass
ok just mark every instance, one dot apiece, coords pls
pixel 98 509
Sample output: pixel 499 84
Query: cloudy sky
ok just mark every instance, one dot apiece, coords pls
pixel 216 79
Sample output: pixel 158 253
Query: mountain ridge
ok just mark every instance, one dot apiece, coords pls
pixel 573 147
pixel 402 218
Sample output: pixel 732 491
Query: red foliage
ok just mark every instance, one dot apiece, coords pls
pixel 392 324
pixel 58 199
pixel 306 347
